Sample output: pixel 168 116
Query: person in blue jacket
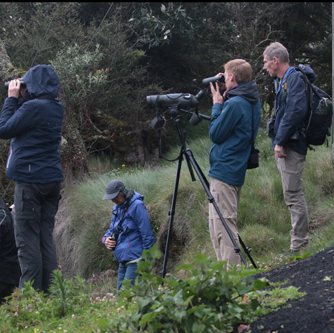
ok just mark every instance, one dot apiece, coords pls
pixel 290 146
pixel 130 230
pixel 32 116
pixel 233 115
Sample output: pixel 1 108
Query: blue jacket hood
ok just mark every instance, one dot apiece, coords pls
pixel 42 80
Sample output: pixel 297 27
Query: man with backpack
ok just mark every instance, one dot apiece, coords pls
pixel 284 129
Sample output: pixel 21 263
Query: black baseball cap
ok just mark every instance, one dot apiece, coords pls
pixel 112 189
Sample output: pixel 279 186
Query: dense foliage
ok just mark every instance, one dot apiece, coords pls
pixel 208 299
pixel 111 55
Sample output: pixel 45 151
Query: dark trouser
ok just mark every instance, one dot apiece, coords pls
pixel 6 289
pixel 35 208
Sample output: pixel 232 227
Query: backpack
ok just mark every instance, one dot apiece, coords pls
pixel 318 122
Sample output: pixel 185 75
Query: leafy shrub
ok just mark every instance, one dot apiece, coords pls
pixel 210 299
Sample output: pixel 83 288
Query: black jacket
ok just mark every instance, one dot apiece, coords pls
pixel 291 106
pixel 9 265
pixel 35 129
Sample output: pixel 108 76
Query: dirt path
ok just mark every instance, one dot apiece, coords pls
pixel 314 313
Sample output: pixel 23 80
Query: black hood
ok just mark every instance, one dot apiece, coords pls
pixel 246 90
pixel 42 80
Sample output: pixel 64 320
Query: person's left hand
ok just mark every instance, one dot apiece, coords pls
pixel 279 152
pixel 216 96
pixel 14 88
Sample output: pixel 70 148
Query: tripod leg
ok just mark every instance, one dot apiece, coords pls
pixel 211 199
pixel 247 251
pixel 171 214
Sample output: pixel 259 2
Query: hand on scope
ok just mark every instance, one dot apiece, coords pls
pixel 110 244
pixel 14 88
pixel 216 95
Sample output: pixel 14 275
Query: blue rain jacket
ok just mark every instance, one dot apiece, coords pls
pixel 137 234
pixel 35 128
pixel 230 131
pixel 291 108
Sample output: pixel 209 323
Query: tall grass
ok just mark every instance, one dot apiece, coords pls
pixel 263 219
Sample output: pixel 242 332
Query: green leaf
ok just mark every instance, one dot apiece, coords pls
pixel 147 318
pixel 152 253
pixel 143 266
pixel 173 283
pixel 260 284
pixel 186 267
pixel 327 278
pixel 201 259
pixel 198 328
pixel 103 324
pixel 255 303
pixel 142 302
pixel 179 315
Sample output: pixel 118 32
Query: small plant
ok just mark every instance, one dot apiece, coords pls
pixel 65 293
pixel 210 299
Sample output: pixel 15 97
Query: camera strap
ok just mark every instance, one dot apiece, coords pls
pixel 126 208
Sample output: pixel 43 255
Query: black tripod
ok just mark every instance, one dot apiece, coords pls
pixel 192 163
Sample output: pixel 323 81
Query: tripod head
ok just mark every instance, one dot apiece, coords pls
pixel 175 103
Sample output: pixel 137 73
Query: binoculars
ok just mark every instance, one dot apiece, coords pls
pixel 22 84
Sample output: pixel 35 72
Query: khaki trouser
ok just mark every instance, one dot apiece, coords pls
pixel 227 199
pixel 291 168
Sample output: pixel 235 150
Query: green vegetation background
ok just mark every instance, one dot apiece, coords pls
pixel 263 218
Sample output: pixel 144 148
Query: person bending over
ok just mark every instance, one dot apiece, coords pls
pixel 130 230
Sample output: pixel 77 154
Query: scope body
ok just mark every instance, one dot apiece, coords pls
pixel 177 99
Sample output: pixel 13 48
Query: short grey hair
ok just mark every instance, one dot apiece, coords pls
pixel 276 49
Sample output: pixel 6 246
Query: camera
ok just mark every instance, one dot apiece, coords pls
pixel 219 78
pixel 113 237
pixel 271 125
pixel 22 84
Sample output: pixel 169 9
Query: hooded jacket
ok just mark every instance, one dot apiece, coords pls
pixel 291 108
pixel 230 131
pixel 137 234
pixel 35 129
pixel 9 264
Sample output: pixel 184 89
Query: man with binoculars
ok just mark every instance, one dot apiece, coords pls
pixel 32 117
pixel 234 123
